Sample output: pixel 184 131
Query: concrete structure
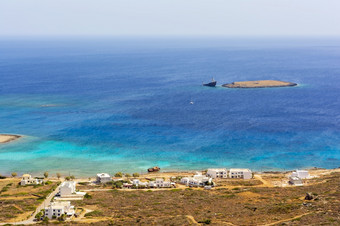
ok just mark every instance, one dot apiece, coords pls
pixel 240 173
pixel 67 188
pixel 303 174
pixel 57 209
pixel 152 184
pixel 295 181
pixel 185 180
pixel 217 173
pixel 27 179
pixel 67 191
pixel 200 180
pixel 160 183
pixel 197 180
pixel 139 183
pixel 103 178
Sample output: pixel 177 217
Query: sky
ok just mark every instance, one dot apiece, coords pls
pixel 169 18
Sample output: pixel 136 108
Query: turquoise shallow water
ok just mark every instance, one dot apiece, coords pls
pixel 88 106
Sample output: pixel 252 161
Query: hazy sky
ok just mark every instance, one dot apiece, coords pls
pixel 170 17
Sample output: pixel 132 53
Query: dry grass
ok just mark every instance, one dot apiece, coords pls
pixel 19 202
pixel 240 206
pixel 237 182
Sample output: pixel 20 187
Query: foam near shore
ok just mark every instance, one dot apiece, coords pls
pixel 259 84
pixel 5 138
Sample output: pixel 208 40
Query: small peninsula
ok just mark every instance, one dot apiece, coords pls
pixel 259 84
pixel 5 138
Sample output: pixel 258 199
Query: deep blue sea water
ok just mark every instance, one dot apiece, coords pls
pixel 106 105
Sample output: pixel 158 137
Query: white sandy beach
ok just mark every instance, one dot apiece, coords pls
pixel 5 138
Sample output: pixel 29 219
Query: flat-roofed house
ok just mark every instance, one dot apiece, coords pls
pixel 160 183
pixel 28 179
pixel 200 180
pixel 139 183
pixel 197 180
pixel 57 209
pixel 152 184
pixel 217 173
pixel 295 181
pixel 185 180
pixel 67 191
pixel 67 188
pixel 240 173
pixel 303 174
pixel 103 178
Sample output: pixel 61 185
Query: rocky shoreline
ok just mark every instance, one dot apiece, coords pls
pixel 259 84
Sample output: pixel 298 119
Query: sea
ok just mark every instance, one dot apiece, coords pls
pixel 88 105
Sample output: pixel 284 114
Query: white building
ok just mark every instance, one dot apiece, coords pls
pixel 67 191
pixel 67 188
pixel 139 183
pixel 152 184
pixel 185 180
pixel 303 174
pixel 103 178
pixel 57 209
pixel 240 173
pixel 295 181
pixel 160 183
pixel 217 173
pixel 27 179
pixel 197 180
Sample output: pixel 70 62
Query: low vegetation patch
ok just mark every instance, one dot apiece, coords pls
pixel 95 213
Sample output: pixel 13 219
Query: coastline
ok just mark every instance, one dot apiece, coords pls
pixel 167 173
pixel 6 138
pixel 316 172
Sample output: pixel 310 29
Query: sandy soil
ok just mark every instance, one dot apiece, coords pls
pixel 259 84
pixel 5 138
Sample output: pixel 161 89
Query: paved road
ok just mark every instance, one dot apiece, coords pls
pixel 44 204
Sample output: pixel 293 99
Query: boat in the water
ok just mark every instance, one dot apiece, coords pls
pixel 154 169
pixel 211 84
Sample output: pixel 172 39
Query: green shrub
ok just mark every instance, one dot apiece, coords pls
pixel 95 213
pixel 117 184
pixel 207 221
pixel 119 174
pixel 175 189
pixel 87 196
